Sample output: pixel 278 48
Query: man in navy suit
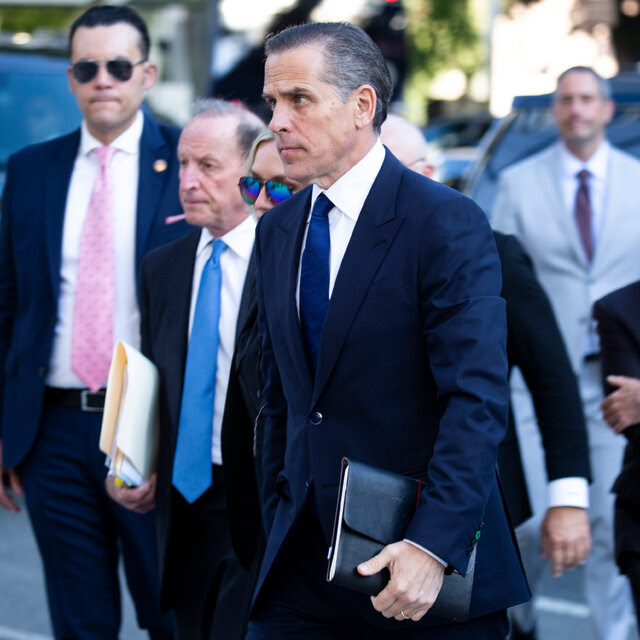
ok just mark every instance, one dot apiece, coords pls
pixel 389 348
pixel 50 414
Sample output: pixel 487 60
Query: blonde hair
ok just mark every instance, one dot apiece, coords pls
pixel 265 135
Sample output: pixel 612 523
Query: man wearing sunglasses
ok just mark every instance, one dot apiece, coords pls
pixel 79 213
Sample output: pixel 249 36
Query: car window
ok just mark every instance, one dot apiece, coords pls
pixel 34 107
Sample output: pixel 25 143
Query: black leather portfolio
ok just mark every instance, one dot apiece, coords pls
pixel 374 509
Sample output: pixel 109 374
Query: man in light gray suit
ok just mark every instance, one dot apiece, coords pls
pixel 574 208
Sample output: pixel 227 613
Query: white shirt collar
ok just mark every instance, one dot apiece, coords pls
pixel 128 141
pixel 350 191
pixel 239 239
pixel 596 165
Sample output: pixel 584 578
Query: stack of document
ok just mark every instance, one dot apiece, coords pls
pixel 129 435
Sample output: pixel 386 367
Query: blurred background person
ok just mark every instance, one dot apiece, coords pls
pixel 534 344
pixel 79 212
pixel 618 318
pixel 574 208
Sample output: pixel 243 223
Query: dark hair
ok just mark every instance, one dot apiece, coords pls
pixel 248 127
pixel 351 59
pixel 106 16
pixel 605 87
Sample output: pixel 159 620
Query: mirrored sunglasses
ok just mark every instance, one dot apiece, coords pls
pixel 119 69
pixel 250 187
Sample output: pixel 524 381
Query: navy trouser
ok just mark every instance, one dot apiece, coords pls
pixel 80 532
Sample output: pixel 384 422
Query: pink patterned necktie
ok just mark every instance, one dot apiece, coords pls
pixel 92 341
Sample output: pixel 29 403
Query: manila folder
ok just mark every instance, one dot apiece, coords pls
pixel 129 432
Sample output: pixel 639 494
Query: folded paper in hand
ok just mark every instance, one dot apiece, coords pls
pixel 374 509
pixel 129 434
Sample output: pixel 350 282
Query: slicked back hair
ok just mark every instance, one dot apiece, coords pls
pixel 351 59
pixel 603 84
pixel 107 15
pixel 248 127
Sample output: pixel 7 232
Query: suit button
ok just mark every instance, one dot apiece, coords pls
pixel 315 418
pixel 42 371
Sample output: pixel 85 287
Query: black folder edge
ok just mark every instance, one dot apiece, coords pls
pixel 454 598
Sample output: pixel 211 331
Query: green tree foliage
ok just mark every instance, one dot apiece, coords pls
pixel 442 36
pixel 15 18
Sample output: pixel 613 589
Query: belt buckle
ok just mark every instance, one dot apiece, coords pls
pixel 84 402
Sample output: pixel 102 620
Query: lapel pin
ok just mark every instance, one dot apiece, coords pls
pixel 160 165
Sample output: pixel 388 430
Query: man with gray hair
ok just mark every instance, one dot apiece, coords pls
pixel 383 340
pixel 193 296
pixel 574 209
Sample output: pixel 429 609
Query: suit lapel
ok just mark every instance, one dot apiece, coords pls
pixel 290 230
pixel 617 187
pixel 374 232
pixel 153 173
pixel 248 299
pixel 57 180
pixel 176 286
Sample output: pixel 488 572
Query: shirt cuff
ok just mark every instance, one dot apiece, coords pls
pixel 569 492
pixel 433 555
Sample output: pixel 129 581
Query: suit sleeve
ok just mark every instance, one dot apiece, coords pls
pixel 465 334
pixel 619 347
pixel 274 414
pixel 8 288
pixel 145 328
pixel 537 348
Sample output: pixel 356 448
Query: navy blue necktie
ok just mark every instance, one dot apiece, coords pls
pixel 314 278
pixel 192 460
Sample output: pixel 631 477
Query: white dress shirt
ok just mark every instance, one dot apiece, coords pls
pixel 597 166
pixel 124 180
pixel 347 195
pixel 234 262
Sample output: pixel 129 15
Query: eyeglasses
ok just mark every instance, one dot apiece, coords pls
pixel 250 187
pixel 119 69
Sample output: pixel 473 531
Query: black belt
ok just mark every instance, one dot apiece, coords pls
pixel 82 399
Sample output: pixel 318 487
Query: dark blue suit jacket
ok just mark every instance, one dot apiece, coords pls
pixel 33 209
pixel 166 280
pixel 412 375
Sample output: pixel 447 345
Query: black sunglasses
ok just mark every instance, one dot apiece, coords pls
pixel 250 187
pixel 119 69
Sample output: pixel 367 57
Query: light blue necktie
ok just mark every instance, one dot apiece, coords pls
pixel 192 461
pixel 314 278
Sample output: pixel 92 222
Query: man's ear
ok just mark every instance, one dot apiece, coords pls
pixel 150 75
pixel 365 105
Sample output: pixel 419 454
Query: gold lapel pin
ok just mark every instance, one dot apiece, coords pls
pixel 160 165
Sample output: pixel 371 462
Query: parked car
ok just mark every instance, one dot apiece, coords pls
pixel 457 137
pixel 529 128
pixel 35 102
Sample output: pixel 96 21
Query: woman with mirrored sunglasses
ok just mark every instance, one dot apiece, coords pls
pixel 264 185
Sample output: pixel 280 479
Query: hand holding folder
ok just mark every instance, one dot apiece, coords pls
pixel 129 435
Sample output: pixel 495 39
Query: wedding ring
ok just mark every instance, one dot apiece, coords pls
pixel 405 617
